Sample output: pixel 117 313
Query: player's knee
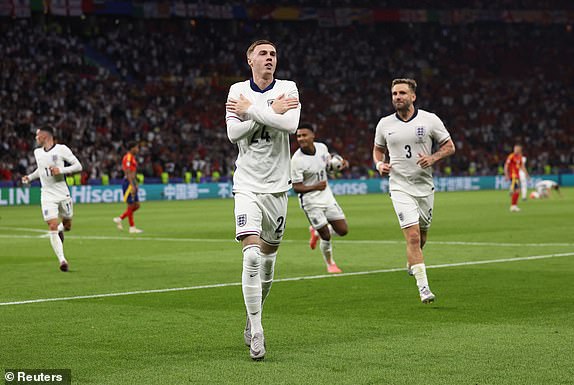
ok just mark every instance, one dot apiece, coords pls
pixel 342 231
pixel 67 224
pixel 251 256
pixel 268 264
pixel 267 249
pixel 414 239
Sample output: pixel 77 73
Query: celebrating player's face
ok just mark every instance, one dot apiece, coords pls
pixel 305 138
pixel 40 137
pixel 403 97
pixel 263 59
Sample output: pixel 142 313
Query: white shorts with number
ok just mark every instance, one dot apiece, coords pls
pixel 319 217
pixel 260 214
pixel 412 210
pixel 55 209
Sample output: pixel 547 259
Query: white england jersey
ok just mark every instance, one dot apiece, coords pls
pixel 54 187
pixel 405 140
pixel 545 185
pixel 262 136
pixel 310 170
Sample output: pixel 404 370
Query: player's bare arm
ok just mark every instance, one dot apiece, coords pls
pixel 446 149
pixel 283 104
pixel 379 159
pixel 300 188
pixel 131 177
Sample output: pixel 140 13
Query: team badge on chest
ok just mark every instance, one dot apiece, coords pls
pixel 54 158
pixel 420 133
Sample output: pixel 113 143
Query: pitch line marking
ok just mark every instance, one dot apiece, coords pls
pixel 23 229
pixel 309 277
pixel 230 240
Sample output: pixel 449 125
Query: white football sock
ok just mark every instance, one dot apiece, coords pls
pixel 57 246
pixel 251 284
pixel 420 273
pixel 266 272
pixel 60 227
pixel 327 252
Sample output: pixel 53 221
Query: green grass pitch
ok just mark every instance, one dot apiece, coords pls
pixel 498 322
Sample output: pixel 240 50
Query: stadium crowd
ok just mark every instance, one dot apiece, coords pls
pixel 103 81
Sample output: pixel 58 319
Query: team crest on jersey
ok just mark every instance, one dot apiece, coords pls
pixel 420 134
pixel 270 102
pixel 54 158
pixel 241 220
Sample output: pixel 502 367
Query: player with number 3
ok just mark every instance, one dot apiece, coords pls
pixel 409 134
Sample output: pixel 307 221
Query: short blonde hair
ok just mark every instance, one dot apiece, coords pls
pixel 410 82
pixel 255 44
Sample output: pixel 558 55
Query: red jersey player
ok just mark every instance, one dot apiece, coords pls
pixel 130 188
pixel 514 163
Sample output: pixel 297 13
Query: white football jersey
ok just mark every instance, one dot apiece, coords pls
pixel 54 187
pixel 263 163
pixel 310 170
pixel 544 185
pixel 405 141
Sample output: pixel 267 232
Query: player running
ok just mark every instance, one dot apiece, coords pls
pixel 409 135
pixel 309 176
pixel 55 195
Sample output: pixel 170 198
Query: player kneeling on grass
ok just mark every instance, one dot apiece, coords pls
pixel 545 187
pixel 55 195
pixel 309 167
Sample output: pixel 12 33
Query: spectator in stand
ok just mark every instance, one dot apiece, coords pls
pixel 164 93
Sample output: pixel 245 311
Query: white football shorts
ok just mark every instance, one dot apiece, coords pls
pixel 320 217
pixel 260 214
pixel 55 209
pixel 411 210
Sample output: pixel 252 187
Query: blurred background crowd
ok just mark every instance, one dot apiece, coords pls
pixel 103 81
